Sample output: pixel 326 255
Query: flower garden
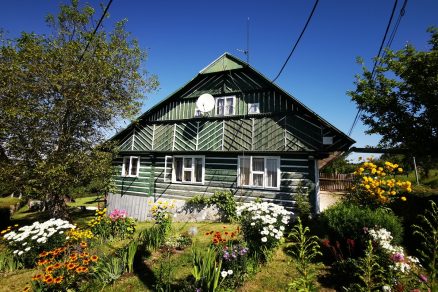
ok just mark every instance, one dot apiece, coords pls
pixel 358 244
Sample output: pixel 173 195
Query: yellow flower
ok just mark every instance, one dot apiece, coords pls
pixel 400 169
pixel 403 198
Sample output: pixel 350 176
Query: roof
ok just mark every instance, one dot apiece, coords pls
pixel 224 63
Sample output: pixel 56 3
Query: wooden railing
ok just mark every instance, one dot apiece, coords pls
pixel 335 182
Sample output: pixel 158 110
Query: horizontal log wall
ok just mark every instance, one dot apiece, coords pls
pixel 220 175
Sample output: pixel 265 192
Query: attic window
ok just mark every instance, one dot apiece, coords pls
pixel 327 140
pixel 253 108
pixel 225 106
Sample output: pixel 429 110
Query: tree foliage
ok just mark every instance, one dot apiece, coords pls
pixel 57 102
pixel 400 102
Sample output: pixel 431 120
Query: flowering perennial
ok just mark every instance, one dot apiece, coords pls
pixel 222 237
pixel 263 223
pixel 64 268
pixel 400 262
pixel 34 237
pixel 379 183
pixel 118 214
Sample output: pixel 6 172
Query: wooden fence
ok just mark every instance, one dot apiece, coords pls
pixel 335 182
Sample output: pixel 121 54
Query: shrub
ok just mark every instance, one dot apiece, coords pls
pixel 376 185
pixel 223 201
pixel 263 225
pixel 162 214
pixel 345 221
pixel 117 224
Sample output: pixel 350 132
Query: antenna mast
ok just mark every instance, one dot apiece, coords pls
pixel 246 52
pixel 247 41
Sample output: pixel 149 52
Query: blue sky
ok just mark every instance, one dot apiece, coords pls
pixel 182 37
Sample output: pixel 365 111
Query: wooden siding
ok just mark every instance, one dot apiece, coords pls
pixel 220 175
pixel 269 101
pixel 273 133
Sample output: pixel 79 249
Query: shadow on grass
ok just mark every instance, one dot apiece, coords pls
pixel 144 273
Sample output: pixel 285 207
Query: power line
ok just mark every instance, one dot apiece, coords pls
pixel 96 28
pixel 356 118
pixel 298 40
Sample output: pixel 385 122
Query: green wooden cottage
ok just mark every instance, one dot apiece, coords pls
pixel 258 141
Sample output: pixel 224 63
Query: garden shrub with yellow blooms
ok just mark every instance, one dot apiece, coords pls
pixel 117 224
pixel 376 185
pixel 162 214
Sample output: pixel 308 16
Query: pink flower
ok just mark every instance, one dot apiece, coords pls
pixel 118 214
pixel 397 257
pixel 423 278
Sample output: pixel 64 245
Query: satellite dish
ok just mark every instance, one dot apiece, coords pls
pixel 205 102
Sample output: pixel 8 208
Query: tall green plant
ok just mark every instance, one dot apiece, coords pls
pixel 369 272
pixel 206 269
pixel 428 251
pixel 304 249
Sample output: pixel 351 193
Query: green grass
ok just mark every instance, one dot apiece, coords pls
pixel 6 202
pixel 91 201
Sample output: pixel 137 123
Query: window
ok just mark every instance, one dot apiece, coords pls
pixel 253 108
pixel 188 169
pixel 131 165
pixel 259 172
pixel 327 140
pixel 225 105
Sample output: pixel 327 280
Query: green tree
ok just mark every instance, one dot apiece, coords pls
pixel 400 102
pixel 58 100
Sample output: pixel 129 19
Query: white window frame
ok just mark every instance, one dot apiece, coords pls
pixel 130 166
pixel 192 169
pixel 254 104
pixel 265 176
pixel 224 98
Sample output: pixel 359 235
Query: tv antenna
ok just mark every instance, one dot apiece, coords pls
pixel 205 103
pixel 246 52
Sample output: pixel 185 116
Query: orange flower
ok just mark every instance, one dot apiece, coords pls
pixel 71 266
pixel 83 244
pixel 85 262
pixel 80 269
pixel 73 257
pixel 57 265
pixel 84 254
pixel 50 269
pixel 48 279
pixel 37 277
pixel 43 254
pixel 58 280
pixel 94 258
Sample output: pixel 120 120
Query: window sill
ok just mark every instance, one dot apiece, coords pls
pixel 187 183
pixel 260 188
